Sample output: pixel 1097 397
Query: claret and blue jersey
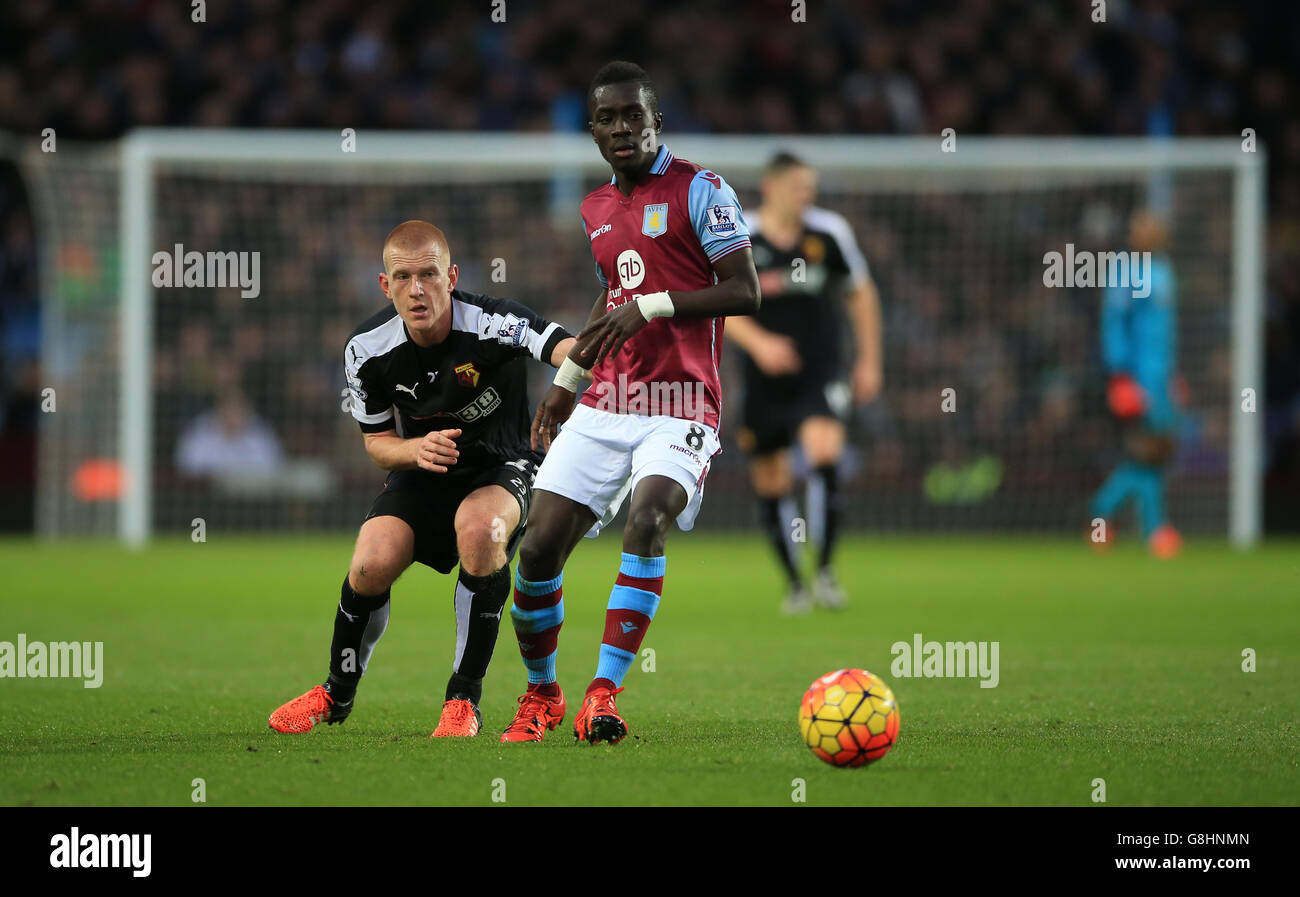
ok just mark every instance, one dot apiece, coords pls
pixel 666 235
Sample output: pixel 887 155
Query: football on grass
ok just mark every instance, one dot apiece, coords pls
pixel 849 718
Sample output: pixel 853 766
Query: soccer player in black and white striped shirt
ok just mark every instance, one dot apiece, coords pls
pixel 437 385
pixel 799 387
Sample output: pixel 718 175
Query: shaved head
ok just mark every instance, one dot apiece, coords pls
pixel 413 238
pixel 418 277
pixel 1147 231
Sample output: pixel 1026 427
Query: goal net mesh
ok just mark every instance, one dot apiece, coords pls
pixel 249 430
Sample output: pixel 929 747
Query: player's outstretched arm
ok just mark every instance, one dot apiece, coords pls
pixel 434 452
pixel 864 313
pixel 575 366
pixel 557 404
pixel 735 293
pixel 579 355
pixel 562 350
pixel 553 410
pixel 774 353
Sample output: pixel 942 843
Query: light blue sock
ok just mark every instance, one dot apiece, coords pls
pixel 1150 499
pixel 538 627
pixel 632 605
pixel 613 664
pixel 1122 481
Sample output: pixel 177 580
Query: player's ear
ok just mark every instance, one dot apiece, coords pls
pixel 383 284
pixel 659 122
pixel 453 275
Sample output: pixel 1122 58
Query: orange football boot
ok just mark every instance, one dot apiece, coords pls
pixel 1165 542
pixel 599 720
pixel 536 714
pixel 460 718
pixel 305 712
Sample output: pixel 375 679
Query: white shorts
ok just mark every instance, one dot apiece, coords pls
pixel 599 457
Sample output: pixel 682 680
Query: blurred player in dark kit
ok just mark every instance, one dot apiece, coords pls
pixel 795 387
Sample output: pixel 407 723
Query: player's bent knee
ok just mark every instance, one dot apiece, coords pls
pixel 484 564
pixel 770 475
pixel 822 440
pixel 474 532
pixel 384 549
pixel 539 558
pixel 769 485
pixel 374 572
pixel 482 547
pixel 647 525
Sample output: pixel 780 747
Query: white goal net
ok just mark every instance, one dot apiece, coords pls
pixel 215 404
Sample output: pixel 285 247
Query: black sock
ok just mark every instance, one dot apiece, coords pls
pixel 479 602
pixel 359 621
pixel 824 501
pixel 776 517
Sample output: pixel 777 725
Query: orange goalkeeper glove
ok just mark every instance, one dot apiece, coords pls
pixel 1124 397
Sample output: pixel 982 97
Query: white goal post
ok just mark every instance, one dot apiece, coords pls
pixel 568 159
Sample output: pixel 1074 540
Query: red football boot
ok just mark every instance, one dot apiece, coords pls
pixel 599 720
pixel 460 718
pixel 1165 542
pixel 537 713
pixel 305 712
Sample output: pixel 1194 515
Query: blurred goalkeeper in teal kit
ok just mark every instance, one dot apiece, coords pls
pixel 1138 347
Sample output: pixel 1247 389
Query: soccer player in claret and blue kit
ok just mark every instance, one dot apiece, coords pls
pixel 673 259
pixel 436 382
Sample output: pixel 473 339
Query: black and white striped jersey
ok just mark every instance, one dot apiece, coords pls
pixel 473 380
pixel 803 293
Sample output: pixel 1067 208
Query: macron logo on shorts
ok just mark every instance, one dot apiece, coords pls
pixel 627 627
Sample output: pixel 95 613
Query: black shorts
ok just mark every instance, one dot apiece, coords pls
pixel 428 502
pixel 770 423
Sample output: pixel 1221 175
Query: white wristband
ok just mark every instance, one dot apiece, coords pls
pixel 655 305
pixel 569 375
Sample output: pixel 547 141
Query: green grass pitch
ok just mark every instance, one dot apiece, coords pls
pixel 1117 667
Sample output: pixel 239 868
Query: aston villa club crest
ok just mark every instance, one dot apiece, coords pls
pixel 655 221
pixel 467 374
